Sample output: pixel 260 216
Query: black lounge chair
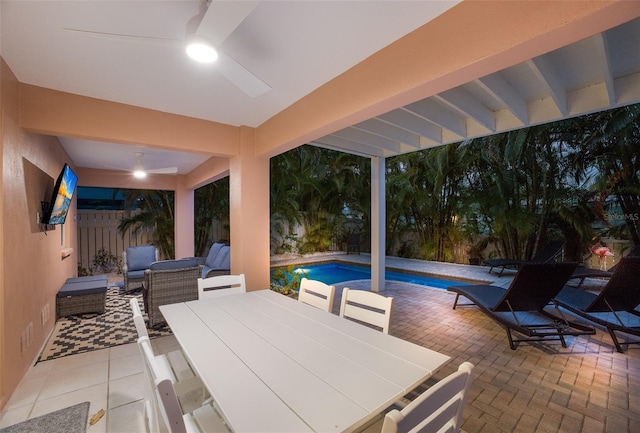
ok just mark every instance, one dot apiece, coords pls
pixel 614 307
pixel 521 307
pixel 583 272
pixel 546 255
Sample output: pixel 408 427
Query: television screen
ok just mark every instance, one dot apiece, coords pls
pixel 62 196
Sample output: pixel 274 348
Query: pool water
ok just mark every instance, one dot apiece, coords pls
pixel 331 273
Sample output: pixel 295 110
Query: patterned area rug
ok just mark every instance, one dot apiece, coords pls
pixel 87 332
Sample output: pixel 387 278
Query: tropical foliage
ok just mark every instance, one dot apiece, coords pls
pixel 154 212
pixel 211 203
pixel 573 179
pixel 326 192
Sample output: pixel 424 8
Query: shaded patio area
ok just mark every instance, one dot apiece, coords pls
pixel 587 387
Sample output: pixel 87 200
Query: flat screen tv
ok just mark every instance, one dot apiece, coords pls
pixel 57 209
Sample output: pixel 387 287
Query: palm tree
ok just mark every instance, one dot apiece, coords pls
pixel 610 143
pixel 155 212
pixel 313 187
pixel 423 196
pixel 211 204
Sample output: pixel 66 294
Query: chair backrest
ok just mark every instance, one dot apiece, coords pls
pixel 438 409
pixel 138 320
pixel 221 285
pixel 549 252
pixel 213 252
pixel 633 252
pixel 622 292
pixel 140 257
pixel 367 307
pixel 317 294
pixel 164 399
pixel 534 286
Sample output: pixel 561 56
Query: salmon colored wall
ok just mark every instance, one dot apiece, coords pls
pixel 249 213
pixel 209 171
pixel 33 265
pixel 62 114
pixel 482 37
pixel 5 83
pixel 184 226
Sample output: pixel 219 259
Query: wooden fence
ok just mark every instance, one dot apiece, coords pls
pixel 98 230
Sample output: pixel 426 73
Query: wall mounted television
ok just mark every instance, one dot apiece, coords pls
pixel 55 211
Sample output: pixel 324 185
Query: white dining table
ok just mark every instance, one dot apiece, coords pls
pixel 273 364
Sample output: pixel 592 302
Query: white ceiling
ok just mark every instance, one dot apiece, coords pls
pixel 591 75
pixel 294 47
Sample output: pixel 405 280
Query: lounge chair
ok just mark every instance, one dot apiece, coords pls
pixel 546 255
pixel 614 307
pixel 583 272
pixel 521 307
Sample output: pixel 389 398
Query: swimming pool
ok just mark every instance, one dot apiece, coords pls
pixel 337 272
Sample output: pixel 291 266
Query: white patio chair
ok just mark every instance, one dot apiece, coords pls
pixel 168 410
pixel 317 294
pixel 367 307
pixel 179 365
pixel 438 409
pixel 221 285
pixel 192 392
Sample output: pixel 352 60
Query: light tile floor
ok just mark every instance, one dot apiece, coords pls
pixel 110 379
pixel 587 387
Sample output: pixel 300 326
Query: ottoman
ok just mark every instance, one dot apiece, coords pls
pixel 81 295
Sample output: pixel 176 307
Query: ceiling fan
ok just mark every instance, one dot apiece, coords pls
pixel 214 23
pixel 140 172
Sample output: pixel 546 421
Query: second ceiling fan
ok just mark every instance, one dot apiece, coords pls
pixel 140 172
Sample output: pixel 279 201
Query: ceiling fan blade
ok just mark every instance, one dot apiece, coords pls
pixel 222 18
pixel 126 38
pixel 219 21
pixel 244 79
pixel 167 170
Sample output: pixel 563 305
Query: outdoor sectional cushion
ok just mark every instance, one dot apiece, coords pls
pixel 213 253
pixel 139 258
pixel 164 265
pixel 102 277
pixel 222 261
pixel 81 288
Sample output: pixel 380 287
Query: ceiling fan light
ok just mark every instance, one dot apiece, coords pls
pixel 139 174
pixel 201 50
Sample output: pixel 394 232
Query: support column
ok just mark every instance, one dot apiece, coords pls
pixel 249 213
pixel 378 223
pixel 184 220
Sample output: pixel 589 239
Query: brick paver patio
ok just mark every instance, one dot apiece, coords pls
pixel 587 387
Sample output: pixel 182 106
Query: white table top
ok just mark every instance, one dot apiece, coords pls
pixel 273 364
